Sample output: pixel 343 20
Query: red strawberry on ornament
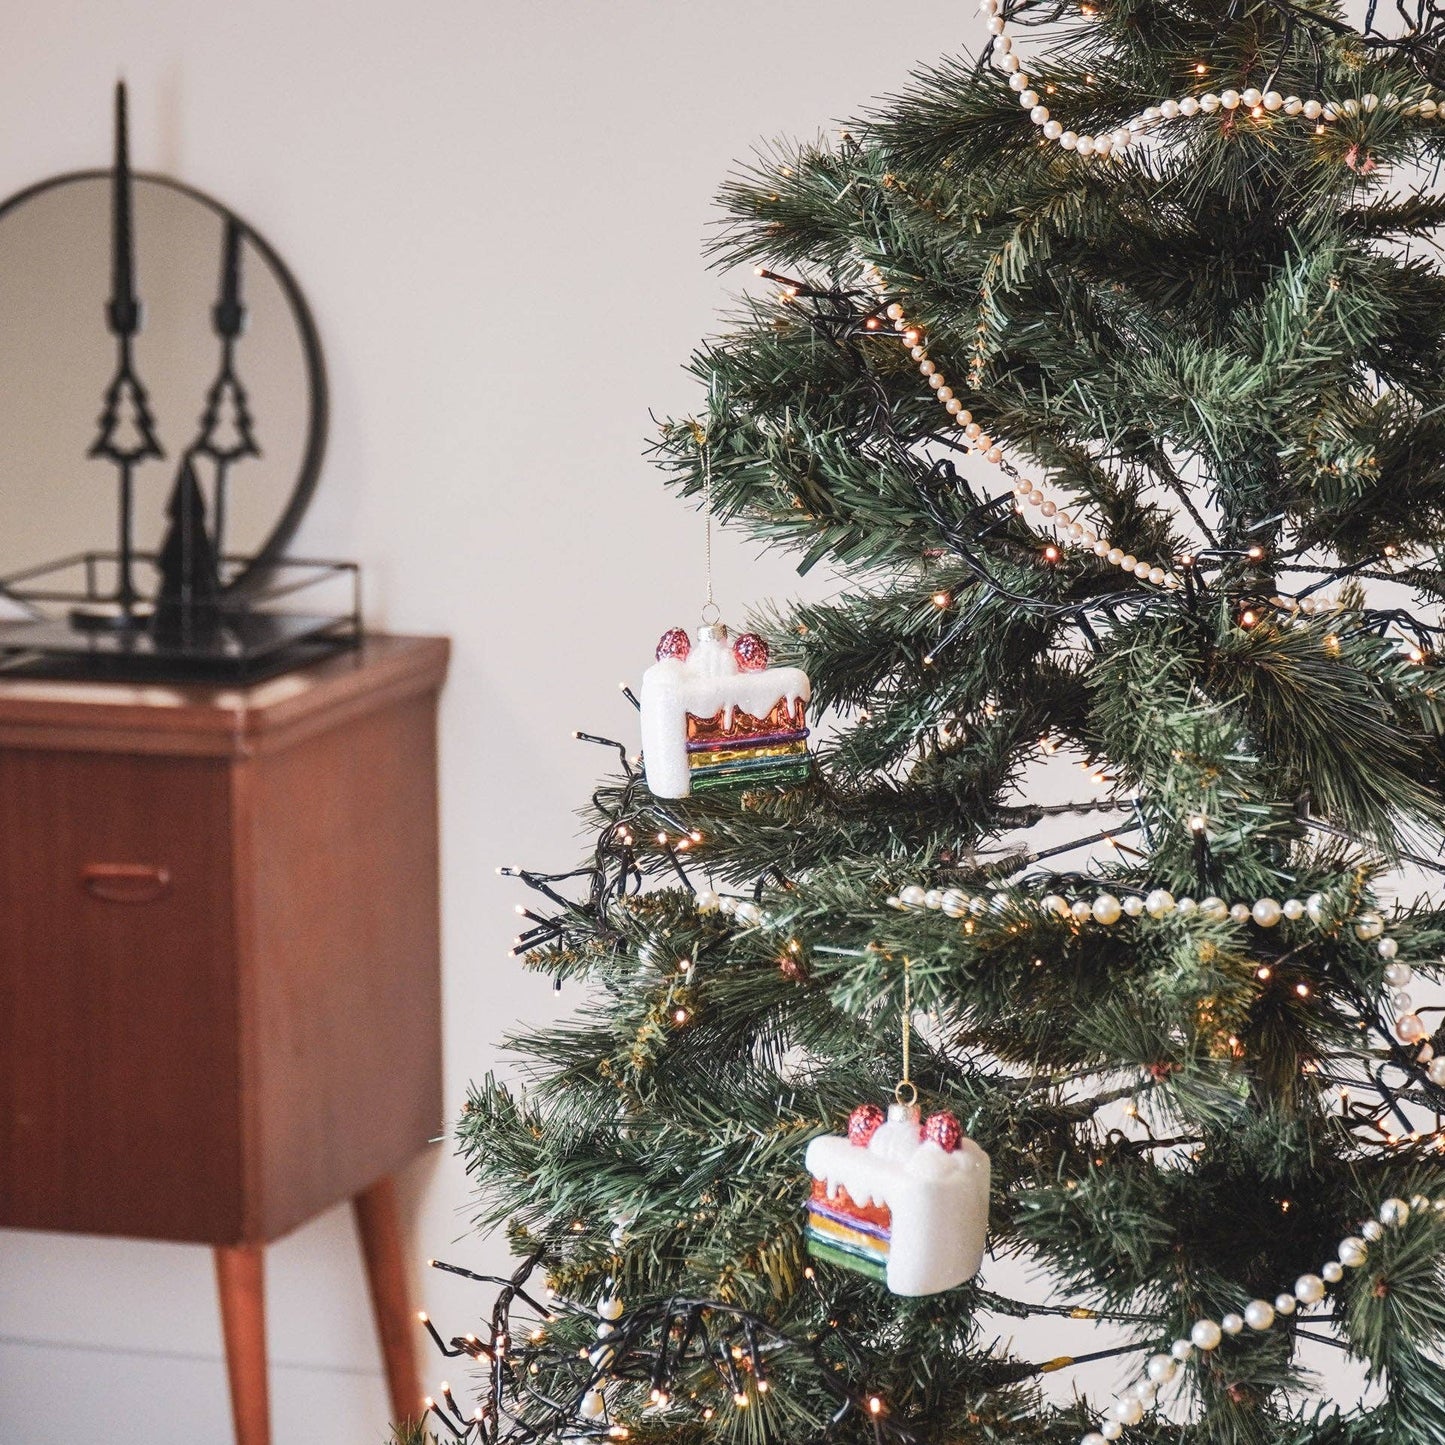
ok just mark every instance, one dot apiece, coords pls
pixel 944 1130
pixel 751 652
pixel 863 1123
pixel 674 643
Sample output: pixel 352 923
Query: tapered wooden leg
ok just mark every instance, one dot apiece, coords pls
pixel 241 1280
pixel 378 1221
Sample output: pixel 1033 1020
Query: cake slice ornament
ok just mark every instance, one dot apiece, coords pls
pixel 900 1198
pixel 714 714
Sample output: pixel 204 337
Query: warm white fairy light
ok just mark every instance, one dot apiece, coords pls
pixel 1118 139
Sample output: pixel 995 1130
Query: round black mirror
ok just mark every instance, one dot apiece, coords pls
pixel 254 425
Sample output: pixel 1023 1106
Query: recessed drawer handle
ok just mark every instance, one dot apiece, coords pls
pixel 125 882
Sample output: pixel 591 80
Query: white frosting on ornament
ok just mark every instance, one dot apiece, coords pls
pixel 707 681
pixel 937 1200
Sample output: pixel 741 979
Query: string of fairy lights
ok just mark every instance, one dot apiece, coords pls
pixel 555 1368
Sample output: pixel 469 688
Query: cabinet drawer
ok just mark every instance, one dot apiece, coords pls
pixel 119 1074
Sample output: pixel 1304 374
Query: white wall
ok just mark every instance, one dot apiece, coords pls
pixel 496 208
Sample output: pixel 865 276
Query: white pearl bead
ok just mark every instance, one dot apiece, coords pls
pixel 1085 146
pixel 910 897
pixel 1039 114
pixel 955 903
pixel 727 905
pixel 952 405
pixel 1332 1271
pixel 1161 1369
pixel 1186 906
pixel 1266 912
pixel 1284 1304
pixel 1240 912
pixel 1293 105
pixel 610 1308
pixel 1029 99
pixel 1411 1028
pixel 1352 1251
pixel 1157 575
pixel 1206 1335
pixel 1293 909
pixel 1103 144
pixel 1387 948
pixel 1141 570
pixel 1078 531
pixel 1081 910
pixel 1251 97
pixel 603 1330
pixel 1189 106
pixel 1232 1323
pixel 1159 903
pixel 933 898
pixel 1053 130
pixel 1003 44
pixel 1394 1213
pixel 945 392
pixel 1012 62
pixel 1093 1438
pixel 1182 1349
pixel 1111 1429
pixel 995 25
pixel 1048 508
pixel 1069 139
pixel 1368 926
pixel 1115 555
pixel 1436 1072
pixel 1273 100
pixel 1312 109
pixel 1127 1411
pixel 1309 1289
pixel 993 454
pixel 1169 109
pixel 593 1405
pixel 927 367
pixel 1373 1231
pixel 1352 106
pixel 1259 1314
pixel 1121 138
pixel 1107 908
pixel 1151 113
pixel 1315 907
pixel 1128 562
pixel 1209 102
pixel 1428 108
pixel 1100 548
pixel 964 417
pixel 1133 905
pixel 894 312
pixel 1214 909
pixel 1229 99
pixel 1398 975
pixel 749 913
pixel 705 900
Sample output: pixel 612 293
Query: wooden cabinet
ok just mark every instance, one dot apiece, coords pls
pixel 219 978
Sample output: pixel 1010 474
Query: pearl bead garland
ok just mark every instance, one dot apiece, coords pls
pixel 1068 527
pixel 1135 131
pixel 1106 909
pixel 1258 1315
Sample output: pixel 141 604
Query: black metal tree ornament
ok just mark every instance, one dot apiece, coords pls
pixel 226 433
pixel 127 429
pixel 189 601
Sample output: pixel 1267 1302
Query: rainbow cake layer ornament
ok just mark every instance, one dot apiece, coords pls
pixel 715 715
pixel 902 1201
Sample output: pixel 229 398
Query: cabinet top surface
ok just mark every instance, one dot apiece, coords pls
pixel 217 719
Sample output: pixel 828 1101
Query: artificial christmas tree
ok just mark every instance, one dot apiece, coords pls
pixel 1112 375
